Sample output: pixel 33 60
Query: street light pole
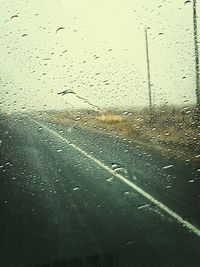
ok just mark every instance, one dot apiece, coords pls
pixel 196 54
pixel 148 71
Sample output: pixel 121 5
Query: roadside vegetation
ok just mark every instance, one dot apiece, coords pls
pixel 173 131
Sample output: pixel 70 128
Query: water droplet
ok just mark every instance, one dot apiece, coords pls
pixel 117 167
pixel 168 166
pixel 129 243
pixel 109 179
pixel 134 177
pixel 143 206
pixel 191 181
pixel 126 193
pixel 76 188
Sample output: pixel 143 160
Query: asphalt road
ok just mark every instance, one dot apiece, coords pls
pixel 91 199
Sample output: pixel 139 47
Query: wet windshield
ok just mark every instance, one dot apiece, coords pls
pixel 99 133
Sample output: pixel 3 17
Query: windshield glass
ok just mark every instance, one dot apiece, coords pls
pixel 99 133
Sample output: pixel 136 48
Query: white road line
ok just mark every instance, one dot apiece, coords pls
pixel 156 202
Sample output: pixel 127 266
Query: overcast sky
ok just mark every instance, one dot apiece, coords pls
pixel 99 53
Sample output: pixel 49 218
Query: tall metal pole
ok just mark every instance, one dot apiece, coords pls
pixel 148 71
pixel 196 54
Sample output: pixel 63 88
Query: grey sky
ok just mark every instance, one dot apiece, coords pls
pixel 105 58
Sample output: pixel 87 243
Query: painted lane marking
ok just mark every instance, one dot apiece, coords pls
pixel 156 202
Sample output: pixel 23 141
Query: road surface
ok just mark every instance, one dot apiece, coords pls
pixel 76 197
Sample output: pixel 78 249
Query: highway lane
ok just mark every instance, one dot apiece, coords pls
pixel 179 185
pixel 56 203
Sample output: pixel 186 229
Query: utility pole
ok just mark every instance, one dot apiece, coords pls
pixel 148 72
pixel 196 54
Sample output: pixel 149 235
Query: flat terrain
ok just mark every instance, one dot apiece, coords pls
pixel 69 193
